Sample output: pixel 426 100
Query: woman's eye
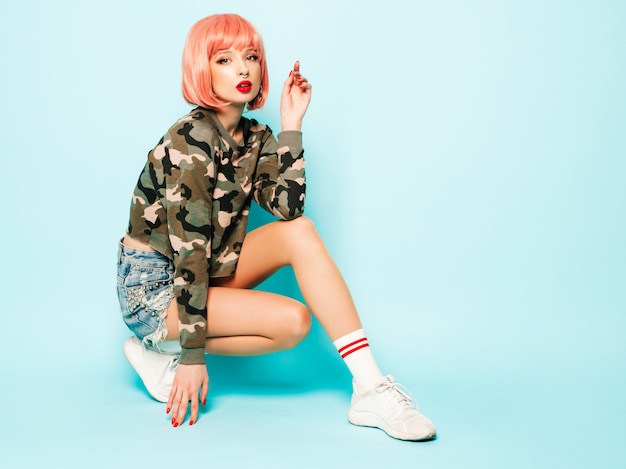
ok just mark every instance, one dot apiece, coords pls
pixel 253 57
pixel 223 61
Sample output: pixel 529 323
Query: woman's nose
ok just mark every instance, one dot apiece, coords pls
pixel 243 69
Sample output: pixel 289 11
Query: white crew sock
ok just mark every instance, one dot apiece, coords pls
pixel 357 355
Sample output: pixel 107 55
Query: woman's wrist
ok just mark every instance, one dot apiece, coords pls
pixel 291 125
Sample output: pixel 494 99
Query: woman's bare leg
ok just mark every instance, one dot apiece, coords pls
pixel 296 243
pixel 248 322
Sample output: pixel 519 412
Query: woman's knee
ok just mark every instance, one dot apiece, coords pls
pixel 296 325
pixel 300 230
pixel 303 225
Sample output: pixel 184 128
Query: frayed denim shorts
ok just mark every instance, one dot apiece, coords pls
pixel 145 282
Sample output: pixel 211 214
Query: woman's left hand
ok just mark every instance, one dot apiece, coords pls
pixel 294 99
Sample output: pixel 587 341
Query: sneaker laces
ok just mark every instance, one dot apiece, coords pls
pixel 396 393
pixel 168 371
pixel 173 363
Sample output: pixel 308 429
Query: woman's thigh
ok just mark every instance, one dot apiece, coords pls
pixel 267 249
pixel 242 312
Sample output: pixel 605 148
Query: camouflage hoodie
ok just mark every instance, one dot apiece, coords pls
pixel 193 198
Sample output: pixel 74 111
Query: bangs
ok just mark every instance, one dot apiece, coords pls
pixel 234 32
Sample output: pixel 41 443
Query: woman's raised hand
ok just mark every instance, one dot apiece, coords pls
pixel 294 100
pixel 188 382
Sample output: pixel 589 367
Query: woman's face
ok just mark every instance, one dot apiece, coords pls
pixel 236 75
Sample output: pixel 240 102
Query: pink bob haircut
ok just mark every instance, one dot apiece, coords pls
pixel 205 39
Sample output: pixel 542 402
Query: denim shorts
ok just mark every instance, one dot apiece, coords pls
pixel 145 282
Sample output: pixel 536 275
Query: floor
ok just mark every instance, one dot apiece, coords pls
pixel 289 410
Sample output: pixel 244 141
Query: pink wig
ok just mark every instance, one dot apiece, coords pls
pixel 205 39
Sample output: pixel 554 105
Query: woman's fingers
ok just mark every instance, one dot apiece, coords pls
pixel 296 72
pixel 181 410
pixel 299 80
pixel 205 392
pixel 295 78
pixel 177 404
pixel 195 407
pixel 170 401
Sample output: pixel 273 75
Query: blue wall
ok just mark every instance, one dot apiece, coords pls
pixel 466 165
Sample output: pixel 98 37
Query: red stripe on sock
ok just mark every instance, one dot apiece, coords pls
pixel 351 344
pixel 355 349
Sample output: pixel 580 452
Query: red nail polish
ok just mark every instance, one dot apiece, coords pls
pixel 204 402
pixel 173 420
pixel 167 411
pixel 176 425
pixel 190 422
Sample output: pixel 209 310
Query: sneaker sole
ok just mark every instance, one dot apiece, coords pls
pixel 366 419
pixel 135 362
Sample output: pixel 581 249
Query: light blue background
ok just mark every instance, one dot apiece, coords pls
pixel 466 168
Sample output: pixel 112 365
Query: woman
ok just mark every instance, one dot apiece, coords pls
pixel 186 265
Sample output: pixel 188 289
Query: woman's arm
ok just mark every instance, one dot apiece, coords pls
pixel 189 169
pixel 280 182
pixel 189 176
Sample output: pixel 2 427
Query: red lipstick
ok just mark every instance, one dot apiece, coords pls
pixel 244 86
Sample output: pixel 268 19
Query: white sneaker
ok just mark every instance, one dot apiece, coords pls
pixel 156 369
pixel 392 410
